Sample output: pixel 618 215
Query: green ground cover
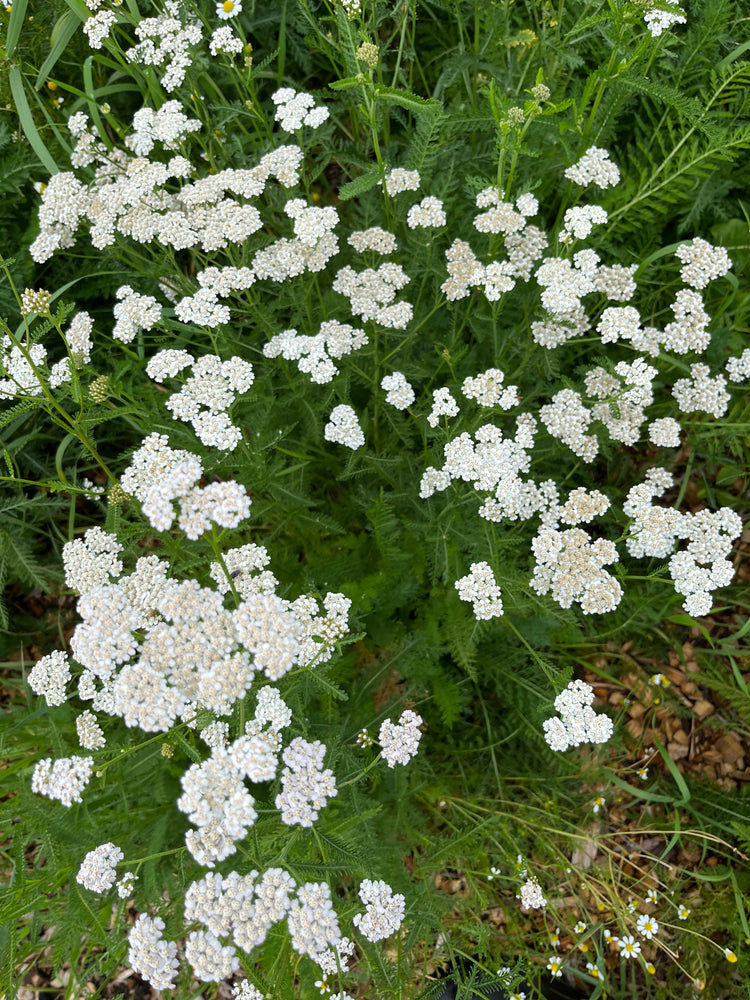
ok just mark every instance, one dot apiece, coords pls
pixel 374 416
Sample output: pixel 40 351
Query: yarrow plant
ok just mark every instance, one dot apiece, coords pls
pixel 369 416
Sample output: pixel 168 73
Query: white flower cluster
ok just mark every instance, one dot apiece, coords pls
pixel 165 42
pixel 240 564
pixel 689 330
pixel 570 566
pixel 134 196
pixel 426 214
pixel 22 368
pixel 336 958
pixel 579 221
pixel 488 390
pixel 150 955
pixel 310 222
pixel 384 910
pixel 704 564
pixel 594 167
pixel 63 779
pixel 531 895
pixel 567 419
pixel 578 722
pixel 98 870
pixel 443 405
pixel 293 110
pixel 371 294
pixel 564 283
pixel 664 432
pixel 48 677
pixel 738 369
pixel 98 27
pixel 216 801
pixel 500 216
pixel 343 427
pixel 582 506
pixel 375 238
pixel 701 392
pixel 168 126
pixel 312 921
pixel 210 960
pixel 159 475
pixel 399 180
pixel 78 336
pixel 464 269
pixel 126 884
pixel 306 784
pixel 134 312
pixel 244 990
pixel 400 742
pixel 658 19
pixel 207 394
pixel 91 561
pixel 314 354
pixel 493 464
pixel 225 41
pixel 202 307
pixel 630 390
pixel 480 587
pixel 399 392
pixel 90 733
pixel 701 262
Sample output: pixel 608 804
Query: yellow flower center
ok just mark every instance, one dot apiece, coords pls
pixel 227 6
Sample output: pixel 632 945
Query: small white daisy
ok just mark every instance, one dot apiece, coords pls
pixel 629 947
pixel 554 965
pixel 647 926
pixel 228 9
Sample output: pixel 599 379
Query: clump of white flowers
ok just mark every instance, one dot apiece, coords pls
pixel 426 214
pixel 704 565
pixel 400 742
pixel 479 587
pixel 443 405
pixel 658 19
pixel 306 784
pixel 399 180
pixel 384 911
pixel 98 870
pixel 314 354
pixel 399 393
pixel 295 109
pixel 372 294
pixel 594 167
pixel 63 779
pixel 570 566
pixel 206 395
pixel 150 955
pixel 49 677
pixel 343 427
pixel 578 722
pixel 531 895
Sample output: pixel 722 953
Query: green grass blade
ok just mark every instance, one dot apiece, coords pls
pixel 17 15
pixel 27 122
pixel 64 29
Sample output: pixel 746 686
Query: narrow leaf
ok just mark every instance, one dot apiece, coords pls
pixel 17 16
pixel 63 31
pixel 27 122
